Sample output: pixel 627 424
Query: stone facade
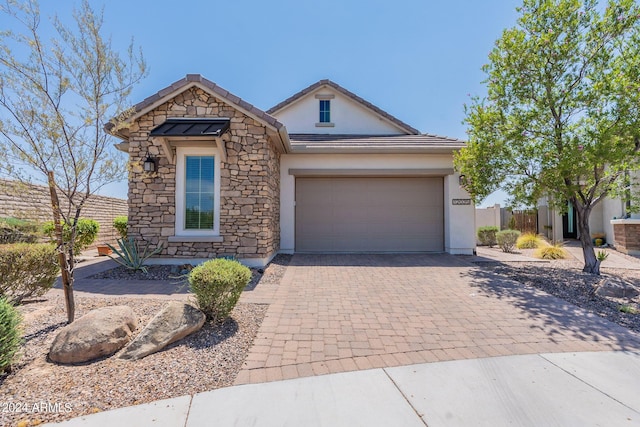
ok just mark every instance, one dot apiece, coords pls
pixel 33 202
pixel 627 238
pixel 249 185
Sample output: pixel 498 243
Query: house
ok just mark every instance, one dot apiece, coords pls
pixel 323 171
pixel 612 218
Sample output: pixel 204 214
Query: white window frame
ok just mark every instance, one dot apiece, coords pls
pixel 181 154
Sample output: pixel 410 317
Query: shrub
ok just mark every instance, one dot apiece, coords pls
pixel 217 285
pixel 551 252
pixel 602 256
pixel 529 241
pixel 14 230
pixel 10 334
pixel 507 239
pixel 487 235
pixel 120 224
pixel 86 233
pixel 133 256
pixel 27 270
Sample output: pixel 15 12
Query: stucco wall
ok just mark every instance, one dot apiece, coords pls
pixel 459 220
pixel 347 116
pixel 249 189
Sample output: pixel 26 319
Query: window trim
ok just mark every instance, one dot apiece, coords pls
pixel 181 154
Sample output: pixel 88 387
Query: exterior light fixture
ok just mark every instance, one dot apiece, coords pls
pixel 149 164
pixel 462 180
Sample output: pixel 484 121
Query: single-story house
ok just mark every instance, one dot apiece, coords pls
pixel 323 171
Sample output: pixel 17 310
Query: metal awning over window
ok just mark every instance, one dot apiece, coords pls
pixel 191 127
pixel 190 132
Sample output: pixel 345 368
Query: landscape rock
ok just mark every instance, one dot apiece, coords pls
pixel 616 288
pixel 98 333
pixel 174 322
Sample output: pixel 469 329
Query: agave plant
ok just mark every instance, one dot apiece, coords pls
pixel 133 256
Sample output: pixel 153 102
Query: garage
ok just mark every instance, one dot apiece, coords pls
pixel 369 214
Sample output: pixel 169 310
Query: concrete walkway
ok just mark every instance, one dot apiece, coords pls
pixel 564 390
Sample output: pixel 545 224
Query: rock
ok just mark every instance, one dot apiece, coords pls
pixel 174 322
pixel 98 333
pixel 611 287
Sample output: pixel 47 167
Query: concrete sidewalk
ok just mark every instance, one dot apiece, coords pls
pixel 559 389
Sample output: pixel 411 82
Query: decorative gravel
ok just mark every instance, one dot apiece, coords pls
pixel 40 391
pixel 565 280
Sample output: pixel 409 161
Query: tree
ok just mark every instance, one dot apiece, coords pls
pixel 55 99
pixel 561 118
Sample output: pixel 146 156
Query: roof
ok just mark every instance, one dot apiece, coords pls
pixel 196 80
pixel 327 143
pixel 405 127
pixel 191 127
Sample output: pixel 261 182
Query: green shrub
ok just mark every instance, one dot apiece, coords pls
pixel 529 241
pixel 10 334
pixel 507 239
pixel 133 256
pixel 120 224
pixel 86 233
pixel 217 285
pixel 14 230
pixel 27 270
pixel 487 235
pixel 551 252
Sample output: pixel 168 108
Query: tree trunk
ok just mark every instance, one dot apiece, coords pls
pixel 591 263
pixel 65 271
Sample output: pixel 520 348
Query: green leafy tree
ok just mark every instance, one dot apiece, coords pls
pixel 56 96
pixel 562 111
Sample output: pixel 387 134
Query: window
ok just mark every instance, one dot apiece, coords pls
pixel 325 111
pixel 197 192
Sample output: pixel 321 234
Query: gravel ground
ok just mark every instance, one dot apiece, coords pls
pixel 565 279
pixel 205 360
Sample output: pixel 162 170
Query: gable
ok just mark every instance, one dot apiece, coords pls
pixel 349 114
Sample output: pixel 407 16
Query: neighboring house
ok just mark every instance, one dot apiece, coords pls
pixel 606 216
pixel 342 176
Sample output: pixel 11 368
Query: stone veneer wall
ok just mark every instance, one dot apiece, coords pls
pixel 627 238
pixel 32 202
pixel 249 187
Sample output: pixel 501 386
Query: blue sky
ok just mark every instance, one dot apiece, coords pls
pixel 417 59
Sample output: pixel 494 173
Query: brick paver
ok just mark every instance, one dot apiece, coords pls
pixel 336 313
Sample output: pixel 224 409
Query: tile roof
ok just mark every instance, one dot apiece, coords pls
pixel 374 143
pixel 348 94
pixel 197 79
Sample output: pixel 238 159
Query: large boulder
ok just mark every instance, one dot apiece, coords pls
pixel 174 322
pixel 612 287
pixel 98 333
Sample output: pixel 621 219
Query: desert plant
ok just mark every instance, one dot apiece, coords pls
pixel 529 241
pixel 487 235
pixel 507 239
pixel 602 255
pixel 133 256
pixel 551 252
pixel 27 270
pixel 120 224
pixel 10 333
pixel 628 309
pixel 86 233
pixel 217 285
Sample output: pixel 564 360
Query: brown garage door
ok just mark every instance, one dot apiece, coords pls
pixel 369 215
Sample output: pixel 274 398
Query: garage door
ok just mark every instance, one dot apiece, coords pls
pixel 369 215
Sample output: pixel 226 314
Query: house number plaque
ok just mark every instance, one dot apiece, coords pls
pixel 459 202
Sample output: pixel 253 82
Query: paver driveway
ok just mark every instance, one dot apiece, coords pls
pixel 335 313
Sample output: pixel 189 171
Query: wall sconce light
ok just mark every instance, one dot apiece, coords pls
pixel 149 164
pixel 462 180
